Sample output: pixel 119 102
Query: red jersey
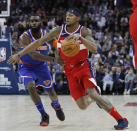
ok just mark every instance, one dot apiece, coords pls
pixel 71 62
pixel 133 30
pixel 134 3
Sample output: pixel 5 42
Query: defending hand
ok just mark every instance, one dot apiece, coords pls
pixel 13 59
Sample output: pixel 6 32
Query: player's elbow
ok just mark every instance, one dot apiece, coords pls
pixel 93 49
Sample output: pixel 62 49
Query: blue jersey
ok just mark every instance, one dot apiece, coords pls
pixel 34 70
pixel 43 49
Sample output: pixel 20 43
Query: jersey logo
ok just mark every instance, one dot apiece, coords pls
pixel 43 48
pixel 47 83
pixel 2 54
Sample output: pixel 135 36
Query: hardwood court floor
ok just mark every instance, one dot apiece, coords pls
pixel 17 113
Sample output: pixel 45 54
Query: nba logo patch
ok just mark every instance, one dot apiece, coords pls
pixel 47 83
pixel 2 54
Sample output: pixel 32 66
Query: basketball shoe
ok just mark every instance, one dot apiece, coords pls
pixel 44 120
pixel 122 124
pixel 59 113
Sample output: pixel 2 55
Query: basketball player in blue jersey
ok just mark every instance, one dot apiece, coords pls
pixel 34 72
pixel 82 84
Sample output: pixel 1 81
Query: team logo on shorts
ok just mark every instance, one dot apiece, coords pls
pixel 2 54
pixel 47 83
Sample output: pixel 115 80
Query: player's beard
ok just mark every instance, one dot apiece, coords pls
pixel 35 29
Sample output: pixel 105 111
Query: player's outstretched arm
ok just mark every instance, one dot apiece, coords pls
pixel 34 45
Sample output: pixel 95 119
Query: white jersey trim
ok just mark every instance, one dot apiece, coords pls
pixel 72 32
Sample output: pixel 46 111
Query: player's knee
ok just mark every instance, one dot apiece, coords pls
pixel 82 106
pixel 82 103
pixel 93 94
pixel 52 94
pixel 30 86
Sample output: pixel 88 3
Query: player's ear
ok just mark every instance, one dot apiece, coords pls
pixel 78 18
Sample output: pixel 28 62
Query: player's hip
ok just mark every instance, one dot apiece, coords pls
pixel 81 68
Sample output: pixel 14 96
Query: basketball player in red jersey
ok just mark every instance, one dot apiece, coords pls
pixel 133 30
pixel 82 83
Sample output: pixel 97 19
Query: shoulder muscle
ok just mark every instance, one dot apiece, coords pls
pixel 86 32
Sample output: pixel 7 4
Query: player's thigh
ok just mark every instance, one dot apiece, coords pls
pixel 88 79
pixel 83 101
pixel 44 79
pixel 76 89
pixel 26 76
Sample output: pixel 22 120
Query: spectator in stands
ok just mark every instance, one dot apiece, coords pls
pixel 129 81
pixel 117 77
pixel 108 81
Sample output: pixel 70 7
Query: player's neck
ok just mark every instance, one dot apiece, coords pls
pixel 72 28
pixel 36 35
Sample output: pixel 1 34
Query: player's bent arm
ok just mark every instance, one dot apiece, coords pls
pixel 34 45
pixel 41 57
pixel 88 41
pixel 14 43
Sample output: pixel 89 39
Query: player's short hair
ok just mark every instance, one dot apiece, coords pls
pixel 36 15
pixel 75 11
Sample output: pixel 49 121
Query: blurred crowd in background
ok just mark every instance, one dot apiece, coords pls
pixel 110 28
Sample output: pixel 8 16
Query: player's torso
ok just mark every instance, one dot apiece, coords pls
pixel 83 53
pixel 43 49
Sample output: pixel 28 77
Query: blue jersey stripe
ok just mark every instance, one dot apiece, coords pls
pixel 43 32
pixel 91 69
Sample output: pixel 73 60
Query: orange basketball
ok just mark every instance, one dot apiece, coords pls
pixel 70 47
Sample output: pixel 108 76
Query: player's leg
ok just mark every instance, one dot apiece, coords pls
pixel 93 91
pixel 30 84
pixel 28 78
pixel 38 103
pixel 105 104
pixel 54 100
pixel 45 77
pixel 78 93
pixel 133 32
pixel 84 101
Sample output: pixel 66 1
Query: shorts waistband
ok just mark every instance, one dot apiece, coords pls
pixel 21 62
pixel 75 65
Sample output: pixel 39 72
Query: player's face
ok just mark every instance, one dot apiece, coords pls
pixel 35 22
pixel 71 18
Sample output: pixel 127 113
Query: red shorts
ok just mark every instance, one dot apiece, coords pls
pixel 133 32
pixel 81 78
